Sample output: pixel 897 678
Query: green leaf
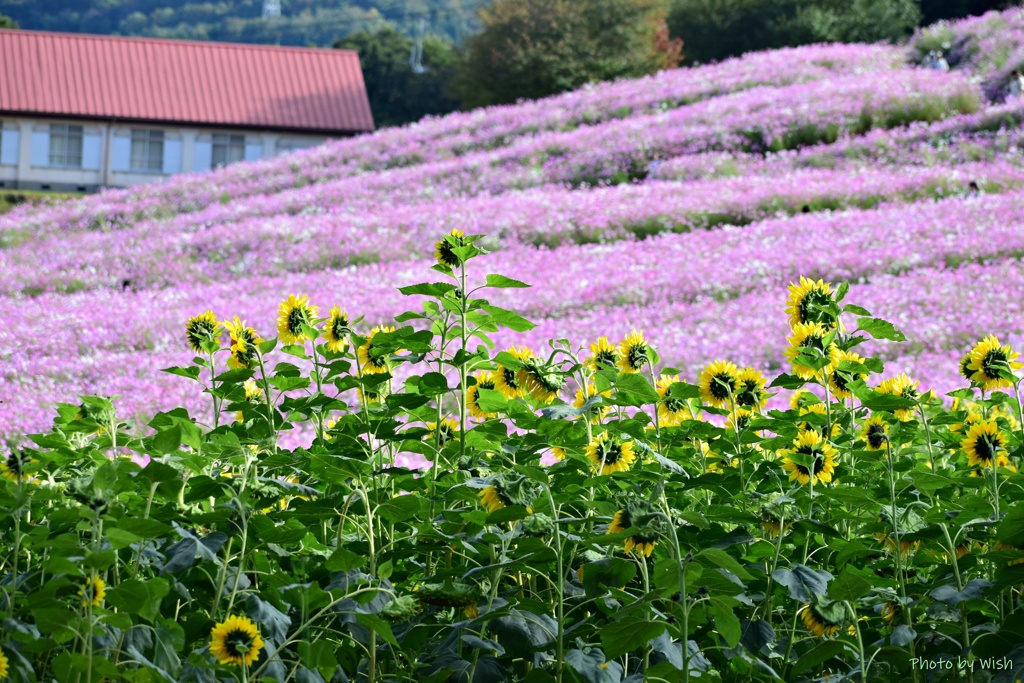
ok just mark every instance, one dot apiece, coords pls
pixel 849 586
pixel 433 384
pixel 817 656
pixel 343 560
pixel 491 401
pixel 974 589
pixel 508 319
pixel 880 329
pixel 437 289
pixel 400 509
pixel 720 558
pixel 379 626
pixel 629 634
pixel 802 582
pixel 166 441
pixel 191 372
pixel 502 282
pixel 726 622
pixel 139 597
pixel 1011 528
pixel 635 390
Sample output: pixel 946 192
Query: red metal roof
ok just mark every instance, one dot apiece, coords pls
pixel 175 81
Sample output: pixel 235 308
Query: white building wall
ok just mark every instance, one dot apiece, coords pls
pixel 106 153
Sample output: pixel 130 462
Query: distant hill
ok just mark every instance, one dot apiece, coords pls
pixel 302 22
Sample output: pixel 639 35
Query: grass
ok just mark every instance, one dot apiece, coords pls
pixel 12 198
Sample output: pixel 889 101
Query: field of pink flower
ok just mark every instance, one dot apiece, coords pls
pixel 681 204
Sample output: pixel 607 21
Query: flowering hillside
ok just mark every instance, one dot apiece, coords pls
pixel 698 216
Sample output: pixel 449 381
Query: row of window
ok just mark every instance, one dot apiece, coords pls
pixel 147 149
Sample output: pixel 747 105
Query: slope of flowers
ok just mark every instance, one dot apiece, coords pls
pixel 114 276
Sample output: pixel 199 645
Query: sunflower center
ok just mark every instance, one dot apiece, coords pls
pixel 910 393
pixel 14 464
pixel 297 317
pixel 675 405
pixel 637 355
pixel 749 394
pixel 339 327
pixel 509 377
pixel 721 386
pixel 604 358
pixel 610 452
pixel 375 361
pixel 237 643
pixel 812 307
pixel 819 461
pixel 986 446
pixel 994 361
pixel 876 435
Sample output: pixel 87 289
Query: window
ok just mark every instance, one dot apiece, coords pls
pixel 65 145
pixel 227 149
pixel 147 150
pixel 286 146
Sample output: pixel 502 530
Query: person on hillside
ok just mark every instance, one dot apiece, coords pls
pixel 1016 85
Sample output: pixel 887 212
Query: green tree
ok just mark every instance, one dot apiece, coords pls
pixel 716 29
pixel 7 22
pixel 533 48
pixel 397 94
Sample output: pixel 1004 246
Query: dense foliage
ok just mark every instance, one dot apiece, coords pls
pixel 399 93
pixel 302 22
pixel 533 48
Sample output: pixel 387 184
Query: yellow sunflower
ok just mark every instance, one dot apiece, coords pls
pixel 13 466
pixel 201 328
pixel 243 344
pixel 806 337
pixel 891 611
pixel 540 380
pixel 373 363
pixel 837 381
pixel 718 383
pixel 875 432
pixel 905 387
pixel 4 666
pixel 741 422
pixel 336 330
pixel 906 547
pixel 988 358
pixel 806 301
pixel 448 432
pixel 507 380
pixel 750 391
pixel 634 352
pixel 294 312
pixel 641 545
pixel 800 398
pixel 443 249
pixel 818 409
pixel 966 371
pixel 93 592
pixel 671 411
pixel 982 444
pixel 236 640
pixel 253 395
pixel 484 380
pixel 810 443
pixel 493 499
pixel 817 623
pixel 370 395
pixel 610 454
pixel 603 354
pixel 597 412
pixel 772 525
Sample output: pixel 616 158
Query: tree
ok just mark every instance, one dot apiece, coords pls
pixel 533 48
pixel 716 29
pixel 7 22
pixel 397 94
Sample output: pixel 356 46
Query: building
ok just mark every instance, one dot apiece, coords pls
pixel 78 112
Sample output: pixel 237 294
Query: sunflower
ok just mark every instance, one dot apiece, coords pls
pixel 671 411
pixel 610 454
pixel 484 380
pixel 875 433
pixel 293 313
pixel 808 302
pixel 817 623
pixel 444 250
pixel 493 499
pixel 370 395
pixel 641 545
pixel 772 525
pixel 891 611
pixel 750 391
pixel 253 395
pixel 988 359
pixel 904 387
pixel 373 363
pixel 634 352
pixel 507 380
pixel 838 381
pixel 558 453
pixel 596 412
pixel 810 443
pixel 982 444
pixel 742 420
pixel 93 592
pixel 818 409
pixel 540 380
pixel 801 398
pixel 718 383
pixel 448 432
pixel 13 466
pixel 236 640
pixel 975 415
pixel 4 666
pixel 906 547
pixel 336 330
pixel 603 355
pixel 201 328
pixel 965 369
pixel 807 337
pixel 243 344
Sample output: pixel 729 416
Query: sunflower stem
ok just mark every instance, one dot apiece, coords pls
pixel 898 549
pixel 213 387
pixel 860 640
pixel 927 436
